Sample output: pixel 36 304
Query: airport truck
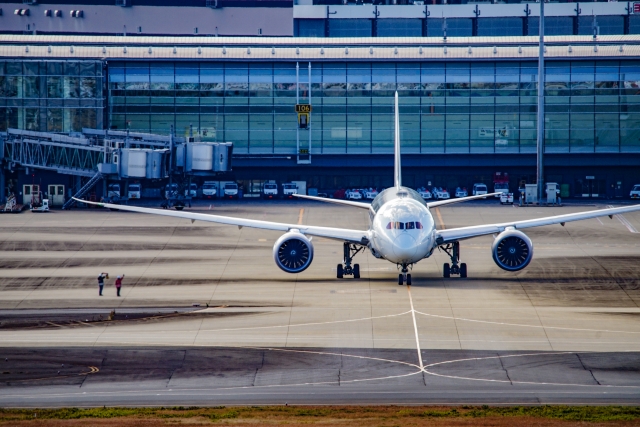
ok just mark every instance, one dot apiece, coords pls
pixel 209 190
pixel 500 183
pixel 289 189
pixel 269 190
pixel 230 190
pixel 134 191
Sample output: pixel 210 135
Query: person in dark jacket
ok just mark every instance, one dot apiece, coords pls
pixel 101 278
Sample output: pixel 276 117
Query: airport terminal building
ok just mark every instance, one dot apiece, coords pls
pixel 466 75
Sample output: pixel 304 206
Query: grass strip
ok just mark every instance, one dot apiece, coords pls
pixel 316 414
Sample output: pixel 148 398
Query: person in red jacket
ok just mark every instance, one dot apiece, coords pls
pixel 119 283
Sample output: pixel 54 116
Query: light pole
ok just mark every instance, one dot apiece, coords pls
pixel 540 144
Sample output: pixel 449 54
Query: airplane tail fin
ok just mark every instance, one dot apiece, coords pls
pixel 397 171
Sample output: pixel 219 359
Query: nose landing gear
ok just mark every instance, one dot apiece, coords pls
pixel 456 268
pixel 347 269
pixel 405 276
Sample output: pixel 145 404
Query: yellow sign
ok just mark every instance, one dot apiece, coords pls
pixel 304 151
pixel 303 108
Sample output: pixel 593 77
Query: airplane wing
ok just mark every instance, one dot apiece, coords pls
pixel 461 233
pixel 461 199
pixel 336 201
pixel 343 235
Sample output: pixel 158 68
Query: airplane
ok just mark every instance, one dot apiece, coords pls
pixel 401 230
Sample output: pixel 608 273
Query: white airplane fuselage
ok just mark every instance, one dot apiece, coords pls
pixel 402 229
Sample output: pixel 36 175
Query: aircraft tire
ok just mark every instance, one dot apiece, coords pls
pixel 340 271
pixel 400 280
pixel 463 270
pixel 356 271
pixel 446 270
pixel 408 280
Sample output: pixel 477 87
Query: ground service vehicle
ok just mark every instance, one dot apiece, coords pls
pixel 192 191
pixel 230 190
pixel 269 190
pixel 209 190
pixel 461 192
pixel 424 193
pixel 479 189
pixel 353 195
pixel 402 230
pixel 506 198
pixel 133 192
pixel 500 183
pixel 440 193
pixel 289 189
pixel 171 191
pixel 635 192
pixel 370 194
pixel 113 191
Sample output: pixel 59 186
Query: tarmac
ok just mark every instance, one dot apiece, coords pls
pixel 207 318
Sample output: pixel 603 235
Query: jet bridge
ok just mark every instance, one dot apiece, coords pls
pixel 94 154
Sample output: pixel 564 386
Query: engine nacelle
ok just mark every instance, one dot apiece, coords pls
pixel 293 252
pixel 512 250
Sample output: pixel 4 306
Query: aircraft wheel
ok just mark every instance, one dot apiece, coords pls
pixel 356 271
pixel 463 270
pixel 400 280
pixel 340 271
pixel 446 271
pixel 408 280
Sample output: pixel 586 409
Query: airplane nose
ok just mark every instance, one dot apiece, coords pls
pixel 404 246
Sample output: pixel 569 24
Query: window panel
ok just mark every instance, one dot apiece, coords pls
pixel 455 27
pixel 490 27
pixel 553 26
pixel 350 28
pixel 399 27
pixel 310 27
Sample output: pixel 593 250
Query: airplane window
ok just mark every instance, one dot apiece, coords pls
pixel 399 225
pixel 389 226
pixel 410 225
pixel 419 225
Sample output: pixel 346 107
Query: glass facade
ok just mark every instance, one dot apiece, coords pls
pixel 454 107
pixel 54 96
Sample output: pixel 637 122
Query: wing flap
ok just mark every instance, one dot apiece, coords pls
pixel 459 200
pixel 336 201
pixel 461 233
pixel 344 235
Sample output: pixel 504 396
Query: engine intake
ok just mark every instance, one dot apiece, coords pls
pixel 293 252
pixel 512 250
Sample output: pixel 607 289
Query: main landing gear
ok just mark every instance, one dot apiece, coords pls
pixel 405 276
pixel 453 250
pixel 347 269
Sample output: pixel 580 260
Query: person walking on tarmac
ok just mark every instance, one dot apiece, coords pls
pixel 119 283
pixel 101 278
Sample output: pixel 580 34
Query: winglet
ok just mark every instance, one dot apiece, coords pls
pixel 397 173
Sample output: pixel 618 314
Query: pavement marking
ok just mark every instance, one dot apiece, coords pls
pixel 601 223
pixel 442 226
pixel 300 216
pixel 415 328
pixel 624 221
pixel 527 326
pixel 517 382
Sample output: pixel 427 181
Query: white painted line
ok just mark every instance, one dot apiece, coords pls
pixel 526 326
pixel 624 221
pixel 415 328
pixel 601 223
pixel 517 382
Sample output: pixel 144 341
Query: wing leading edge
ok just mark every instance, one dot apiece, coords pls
pixel 455 234
pixel 344 235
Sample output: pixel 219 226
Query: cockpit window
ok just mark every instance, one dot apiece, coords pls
pixel 413 225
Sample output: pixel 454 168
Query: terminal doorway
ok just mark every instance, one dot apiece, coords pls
pixel 590 187
pixel 56 195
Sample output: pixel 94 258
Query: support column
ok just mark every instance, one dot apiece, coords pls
pixel 540 142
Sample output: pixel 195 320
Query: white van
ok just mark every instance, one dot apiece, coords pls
pixel 479 189
pixel 230 190
pixel 134 191
pixel 209 190
pixel 635 192
pixel 269 190
pixel 113 190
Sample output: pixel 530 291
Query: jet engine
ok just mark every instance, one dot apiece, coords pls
pixel 293 252
pixel 512 250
